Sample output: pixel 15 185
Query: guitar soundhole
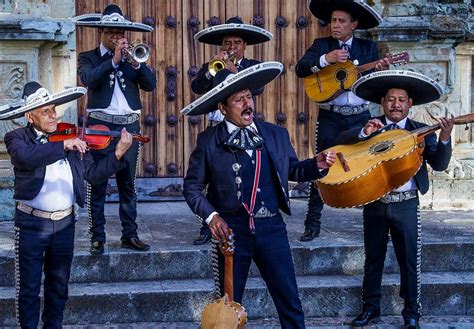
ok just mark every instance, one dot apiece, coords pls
pixel 381 147
pixel 341 75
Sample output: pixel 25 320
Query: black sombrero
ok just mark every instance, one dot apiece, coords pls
pixel 419 87
pixel 367 18
pixel 112 17
pixel 226 83
pixel 251 34
pixel 35 96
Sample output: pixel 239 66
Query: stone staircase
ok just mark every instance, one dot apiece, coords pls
pixel 172 282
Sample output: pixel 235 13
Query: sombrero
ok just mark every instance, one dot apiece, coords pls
pixel 251 34
pixel 419 87
pixel 226 83
pixel 35 96
pixel 112 17
pixel 367 18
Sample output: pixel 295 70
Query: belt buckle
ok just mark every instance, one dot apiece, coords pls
pixel 57 215
pixel 345 110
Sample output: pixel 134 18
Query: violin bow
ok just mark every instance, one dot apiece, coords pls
pixel 84 120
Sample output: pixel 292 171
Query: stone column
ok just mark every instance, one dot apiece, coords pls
pixel 36 43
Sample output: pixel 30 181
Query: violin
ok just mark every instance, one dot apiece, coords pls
pixel 97 137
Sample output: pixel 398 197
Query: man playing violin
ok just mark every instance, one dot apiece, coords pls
pixel 49 179
pixel 347 110
pixel 114 79
pixel 397 213
pixel 233 38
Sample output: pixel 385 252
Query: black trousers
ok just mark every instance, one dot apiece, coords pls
pixel 330 125
pixel 401 219
pixel 125 178
pixel 270 250
pixel 42 245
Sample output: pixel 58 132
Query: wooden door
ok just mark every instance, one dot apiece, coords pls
pixel 175 57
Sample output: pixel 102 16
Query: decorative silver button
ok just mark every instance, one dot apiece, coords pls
pixel 238 180
pixel 236 167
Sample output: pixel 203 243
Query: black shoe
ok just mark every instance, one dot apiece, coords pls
pixel 309 235
pixel 135 244
pixel 203 238
pixel 365 318
pixel 411 323
pixel 97 248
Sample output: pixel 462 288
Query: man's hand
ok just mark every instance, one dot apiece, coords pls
pixel 75 144
pixel 372 125
pixel 337 56
pixel 219 228
pixel 221 55
pixel 119 50
pixel 446 128
pixel 124 143
pixel 325 160
pixel 382 64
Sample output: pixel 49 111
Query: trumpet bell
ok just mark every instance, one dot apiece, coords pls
pixel 140 53
pixel 216 65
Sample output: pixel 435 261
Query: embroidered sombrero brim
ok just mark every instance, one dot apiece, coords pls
pixel 20 107
pixel 112 21
pixel 419 87
pixel 249 33
pixel 253 77
pixel 367 17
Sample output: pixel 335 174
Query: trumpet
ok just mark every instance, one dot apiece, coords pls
pixel 216 65
pixel 138 52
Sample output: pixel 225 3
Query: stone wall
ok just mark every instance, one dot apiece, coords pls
pixel 36 43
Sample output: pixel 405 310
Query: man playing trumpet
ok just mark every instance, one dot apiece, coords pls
pixel 114 77
pixel 233 38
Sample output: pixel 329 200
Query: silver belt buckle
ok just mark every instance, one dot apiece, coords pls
pixel 57 215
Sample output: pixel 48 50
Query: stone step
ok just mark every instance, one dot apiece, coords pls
pixel 194 263
pixel 443 293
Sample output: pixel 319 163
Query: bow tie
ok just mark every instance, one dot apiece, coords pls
pixel 42 139
pixel 244 139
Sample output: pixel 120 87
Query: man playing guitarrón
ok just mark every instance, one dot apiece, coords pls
pixel 397 213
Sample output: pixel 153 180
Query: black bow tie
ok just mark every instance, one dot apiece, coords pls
pixel 41 139
pixel 244 139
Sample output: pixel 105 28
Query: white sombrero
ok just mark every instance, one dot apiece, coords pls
pixel 367 18
pixel 419 87
pixel 226 83
pixel 35 96
pixel 112 17
pixel 251 34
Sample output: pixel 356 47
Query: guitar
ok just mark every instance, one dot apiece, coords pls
pixel 334 79
pixel 224 313
pixel 366 171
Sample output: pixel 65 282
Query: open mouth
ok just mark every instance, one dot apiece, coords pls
pixel 247 114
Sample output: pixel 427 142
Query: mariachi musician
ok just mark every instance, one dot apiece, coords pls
pixel 49 179
pixel 397 213
pixel 347 110
pixel 114 73
pixel 233 37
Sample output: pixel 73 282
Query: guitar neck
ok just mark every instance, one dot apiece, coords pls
pixel 229 277
pixel 366 67
pixel 463 119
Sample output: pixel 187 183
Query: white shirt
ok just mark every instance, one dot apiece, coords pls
pixel 347 97
pixel 230 128
pixel 118 104
pixel 57 192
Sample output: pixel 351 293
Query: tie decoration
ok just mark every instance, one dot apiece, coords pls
pixel 244 139
pixel 41 139
pixel 391 126
pixel 347 48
